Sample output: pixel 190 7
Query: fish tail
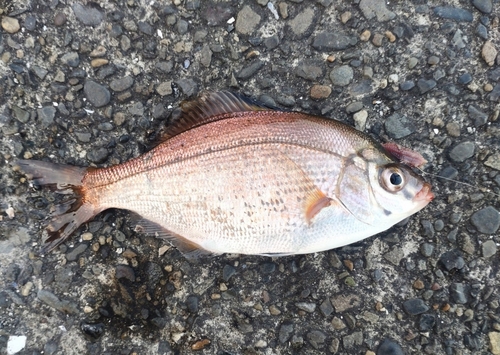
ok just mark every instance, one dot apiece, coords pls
pixel 67 216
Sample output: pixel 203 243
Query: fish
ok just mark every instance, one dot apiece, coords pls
pixel 232 175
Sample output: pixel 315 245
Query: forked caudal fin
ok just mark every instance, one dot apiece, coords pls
pixel 69 215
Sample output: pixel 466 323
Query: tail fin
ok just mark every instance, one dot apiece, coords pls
pixel 69 215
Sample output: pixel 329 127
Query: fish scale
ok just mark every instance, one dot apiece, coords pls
pixel 187 211
pixel 249 180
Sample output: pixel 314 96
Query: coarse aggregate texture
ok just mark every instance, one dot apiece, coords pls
pixel 93 84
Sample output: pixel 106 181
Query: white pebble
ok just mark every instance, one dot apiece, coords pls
pixel 394 78
pixel 10 212
pixel 271 7
pixel 15 344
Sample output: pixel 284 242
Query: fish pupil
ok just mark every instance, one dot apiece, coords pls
pixel 396 179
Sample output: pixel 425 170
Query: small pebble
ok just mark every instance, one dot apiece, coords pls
pixel 453 13
pixel 71 59
pixel 354 107
pixel 337 323
pixel 415 306
pixel 275 311
pixel 486 220
pixel 319 92
pixel 482 31
pixel 489 53
pixel 15 343
pixel 377 39
pixel 485 6
pixel 464 78
pixel 462 151
pixel 306 306
pixel 418 285
pixel 346 16
pixel 407 85
pixel 389 347
pixel 10 24
pixel 200 344
pixel 360 120
pixel 59 19
pixel 452 260
pixel 427 322
pixel 98 62
pixel 426 85
pixel 489 248
pixel 97 94
pixel 227 272
pixel 124 272
pixel 75 253
pixel 365 35
pixel 342 76
pixel 192 304
pixel 458 292
pixel 494 338
pixel 390 36
pixel 412 63
pixel 427 249
pixel 433 60
pixel 87 236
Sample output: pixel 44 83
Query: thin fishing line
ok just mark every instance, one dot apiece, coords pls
pixel 481 188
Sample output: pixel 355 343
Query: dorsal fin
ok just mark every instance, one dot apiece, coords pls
pixel 211 107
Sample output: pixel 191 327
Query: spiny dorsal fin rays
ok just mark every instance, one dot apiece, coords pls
pixel 211 107
pixel 405 155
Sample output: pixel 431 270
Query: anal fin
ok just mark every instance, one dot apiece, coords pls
pixel 189 249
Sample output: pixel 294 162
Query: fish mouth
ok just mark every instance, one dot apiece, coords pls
pixel 425 194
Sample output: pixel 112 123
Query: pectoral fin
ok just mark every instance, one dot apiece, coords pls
pixel 315 202
pixel 315 199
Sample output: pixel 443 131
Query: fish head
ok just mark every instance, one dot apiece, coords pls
pixel 380 191
pixel 399 191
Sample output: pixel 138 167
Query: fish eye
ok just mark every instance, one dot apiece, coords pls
pixel 392 179
pixel 396 179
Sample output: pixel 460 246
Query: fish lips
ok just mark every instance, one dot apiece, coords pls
pixel 425 194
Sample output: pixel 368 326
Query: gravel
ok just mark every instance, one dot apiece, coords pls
pixel 462 151
pixel 97 94
pixel 249 70
pixel 452 260
pixel 390 347
pixel 95 83
pixel 426 85
pixel 453 13
pixel 415 306
pixel 458 292
pixel 332 41
pixel 486 220
pixel 89 16
pixel 342 75
pixel 398 126
pixel 46 115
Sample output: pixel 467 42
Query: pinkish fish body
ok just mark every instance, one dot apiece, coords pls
pixel 236 177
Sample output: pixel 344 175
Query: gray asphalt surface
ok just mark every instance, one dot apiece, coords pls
pixel 93 83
